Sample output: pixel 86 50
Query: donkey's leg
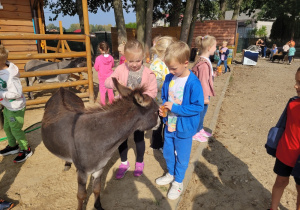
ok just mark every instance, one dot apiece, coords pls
pixel 81 193
pixel 97 188
pixel 30 83
pixel 67 166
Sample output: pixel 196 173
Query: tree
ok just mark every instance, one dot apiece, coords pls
pixel 140 20
pixel 120 22
pixel 223 5
pixel 75 7
pixel 130 25
pixel 185 26
pixel 73 27
pixel 174 13
pixel 194 19
pixel 51 26
pixel 236 11
pixel 149 18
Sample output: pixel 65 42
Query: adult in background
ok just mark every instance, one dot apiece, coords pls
pixel 262 45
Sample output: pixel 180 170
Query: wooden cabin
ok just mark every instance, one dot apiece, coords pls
pixel 21 16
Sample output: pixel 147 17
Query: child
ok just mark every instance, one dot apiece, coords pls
pixel 288 150
pixel 121 52
pixel 154 40
pixel 291 53
pixel 273 51
pixel 223 51
pixel 133 74
pixel 5 205
pixel 103 65
pixel 182 95
pixel 13 100
pixel 204 71
pixel 160 70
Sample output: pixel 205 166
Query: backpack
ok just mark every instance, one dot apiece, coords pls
pixel 276 132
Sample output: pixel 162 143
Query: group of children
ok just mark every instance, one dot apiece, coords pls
pixel 183 92
pixel 288 50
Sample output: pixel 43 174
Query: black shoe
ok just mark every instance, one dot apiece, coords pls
pixel 4 205
pixel 9 150
pixel 23 155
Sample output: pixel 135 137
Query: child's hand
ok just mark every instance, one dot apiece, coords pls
pixel 168 105
pixel 206 101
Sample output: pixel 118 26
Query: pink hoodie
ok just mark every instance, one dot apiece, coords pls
pixel 103 65
pixel 202 70
pixel 121 74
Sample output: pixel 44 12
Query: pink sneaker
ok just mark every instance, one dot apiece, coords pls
pixel 205 133
pixel 122 170
pixel 199 137
pixel 196 136
pixel 139 167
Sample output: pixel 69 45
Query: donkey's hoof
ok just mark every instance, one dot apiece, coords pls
pixel 67 168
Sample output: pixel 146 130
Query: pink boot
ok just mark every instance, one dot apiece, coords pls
pixel 139 167
pixel 122 170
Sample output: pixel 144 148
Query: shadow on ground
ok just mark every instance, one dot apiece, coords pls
pixel 227 190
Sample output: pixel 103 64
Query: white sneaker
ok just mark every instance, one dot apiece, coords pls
pixel 175 190
pixel 166 179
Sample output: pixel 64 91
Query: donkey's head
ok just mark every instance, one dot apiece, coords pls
pixel 147 107
pixel 78 62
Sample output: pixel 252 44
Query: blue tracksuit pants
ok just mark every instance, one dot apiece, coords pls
pixel 176 164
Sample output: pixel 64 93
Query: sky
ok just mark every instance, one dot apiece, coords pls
pixel 101 18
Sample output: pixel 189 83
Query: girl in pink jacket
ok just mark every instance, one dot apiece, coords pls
pixel 133 74
pixel 204 71
pixel 103 65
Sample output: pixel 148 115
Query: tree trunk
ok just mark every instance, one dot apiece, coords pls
pixel 222 9
pixel 120 22
pixel 80 14
pixel 192 28
pixel 140 21
pixel 236 11
pixel 149 19
pixel 175 13
pixel 185 26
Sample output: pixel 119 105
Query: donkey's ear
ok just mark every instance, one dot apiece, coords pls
pixel 124 91
pixel 142 99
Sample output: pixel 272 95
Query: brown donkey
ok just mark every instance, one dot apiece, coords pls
pixel 89 137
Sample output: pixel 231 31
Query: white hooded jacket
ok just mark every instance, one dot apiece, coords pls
pixel 11 95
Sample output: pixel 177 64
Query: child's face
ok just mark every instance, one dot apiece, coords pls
pixel 224 44
pixel 178 69
pixel 297 85
pixel 212 49
pixel 121 52
pixel 134 59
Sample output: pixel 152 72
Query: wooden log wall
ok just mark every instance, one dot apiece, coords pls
pixel 16 17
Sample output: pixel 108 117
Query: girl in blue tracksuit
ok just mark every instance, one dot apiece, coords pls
pixel 182 95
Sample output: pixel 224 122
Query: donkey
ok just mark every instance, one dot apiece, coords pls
pixel 89 137
pixel 38 65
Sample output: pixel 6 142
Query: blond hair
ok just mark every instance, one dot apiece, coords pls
pixel 178 51
pixel 121 46
pixel 225 42
pixel 204 42
pixel 3 54
pixel 133 46
pixel 161 45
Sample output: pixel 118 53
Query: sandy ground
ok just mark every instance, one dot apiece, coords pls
pixel 234 173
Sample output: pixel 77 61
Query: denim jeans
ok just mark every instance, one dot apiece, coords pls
pixel 225 64
pixel 202 115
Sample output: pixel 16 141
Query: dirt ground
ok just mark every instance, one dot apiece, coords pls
pixel 234 172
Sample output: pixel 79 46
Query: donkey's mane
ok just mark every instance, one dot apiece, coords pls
pixel 117 104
